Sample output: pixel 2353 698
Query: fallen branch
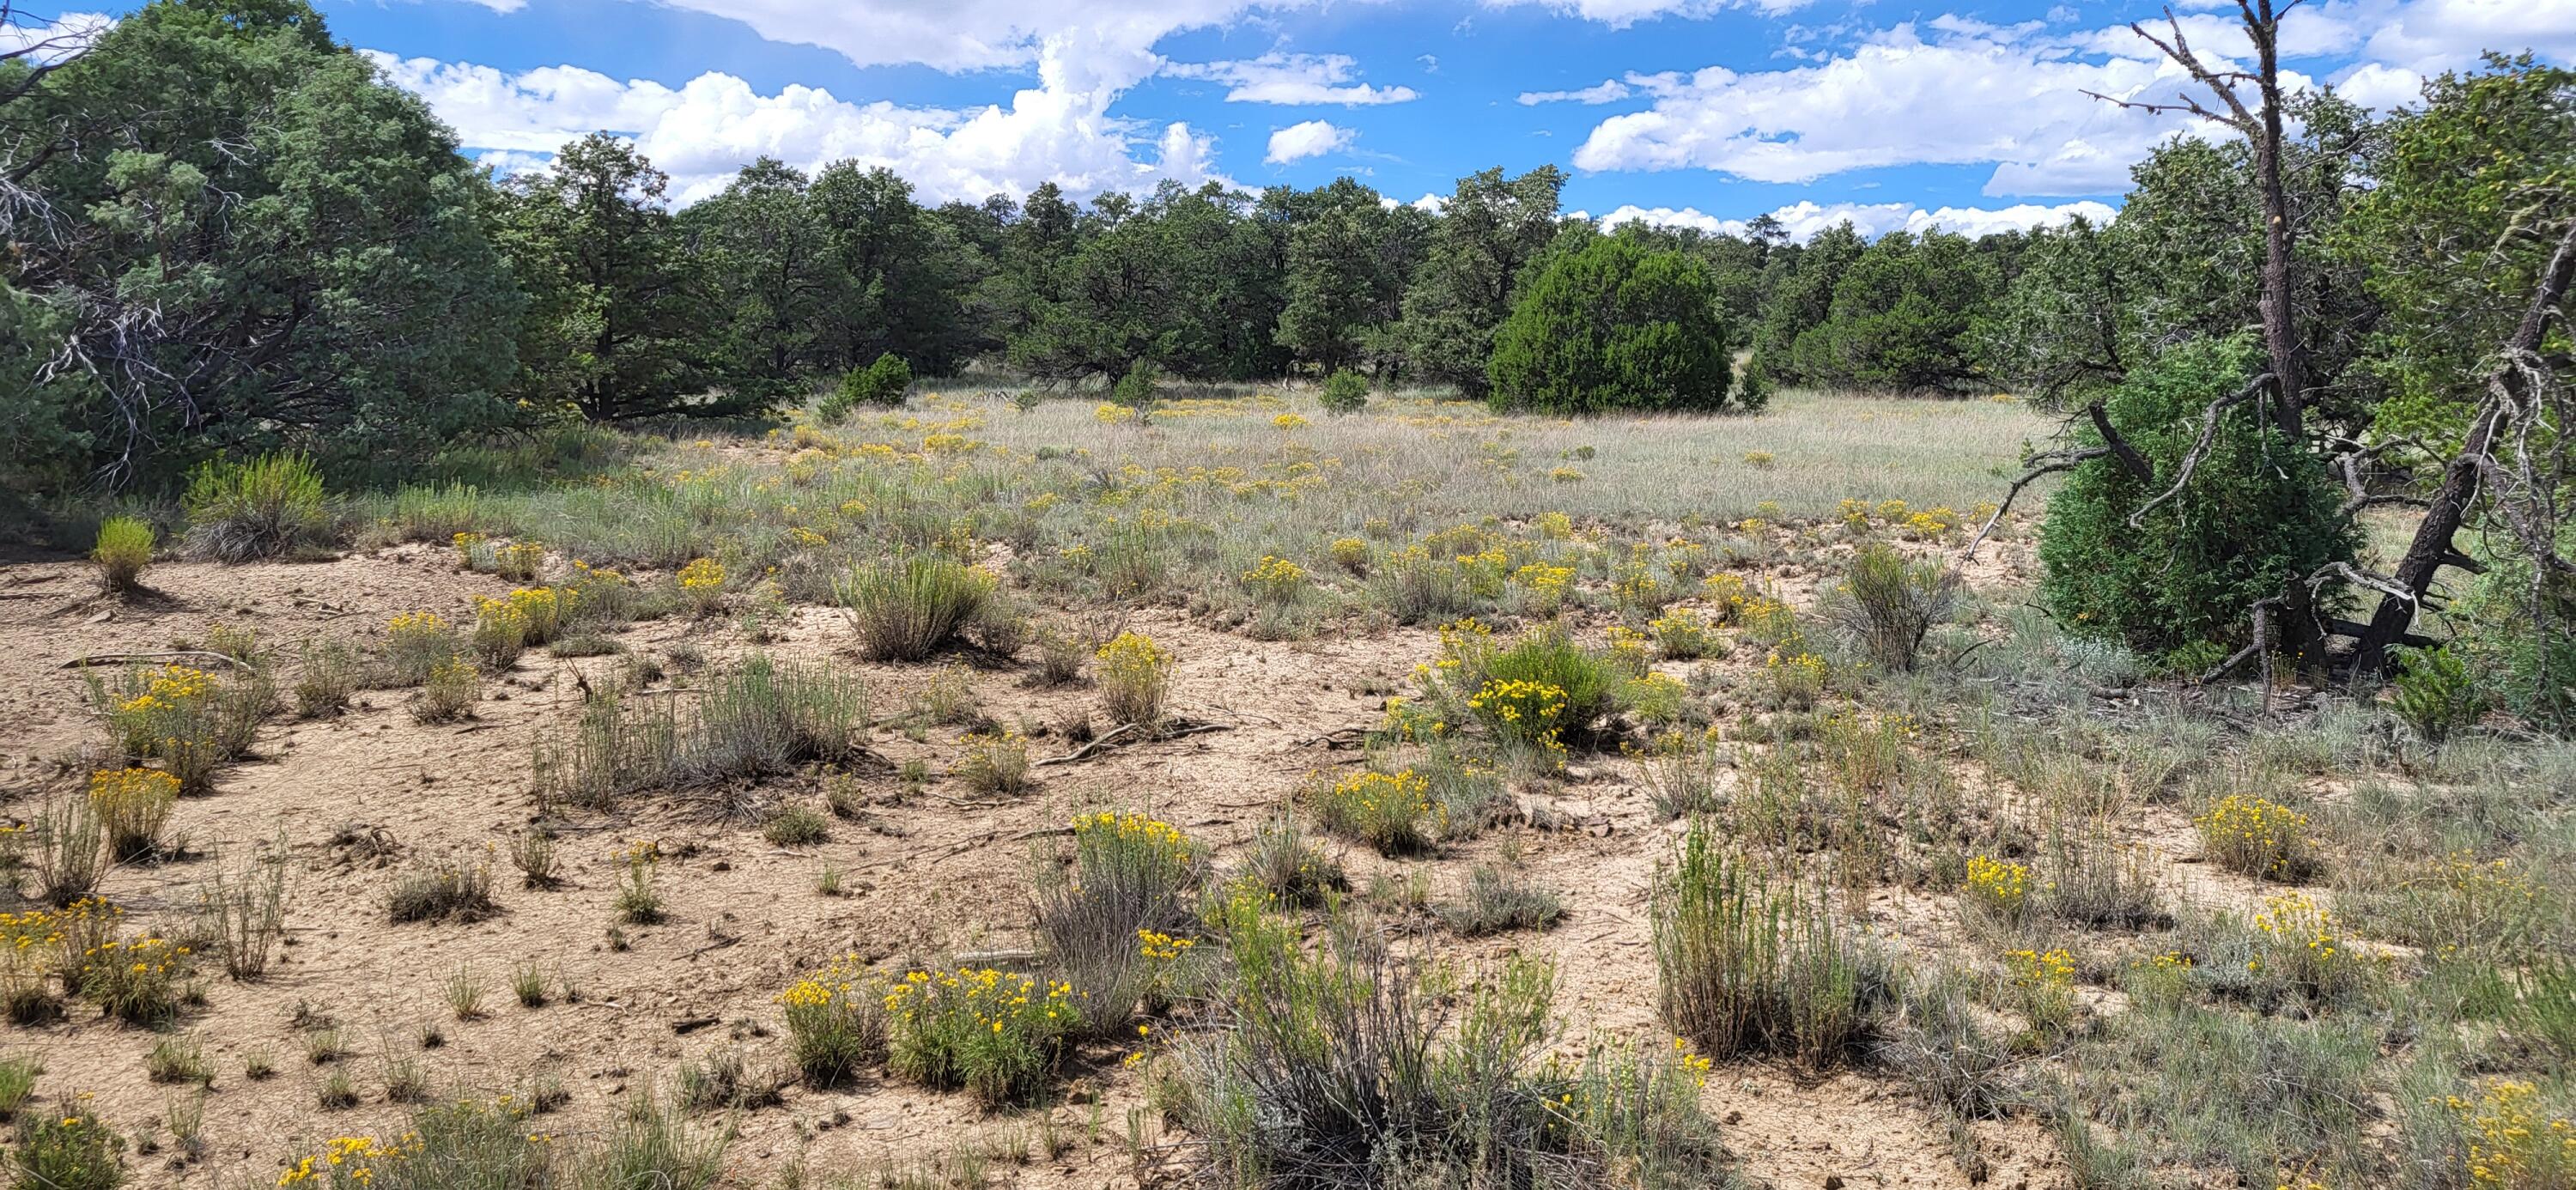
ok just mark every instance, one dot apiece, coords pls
pixel 96 659
pixel 1173 732
pixel 2041 464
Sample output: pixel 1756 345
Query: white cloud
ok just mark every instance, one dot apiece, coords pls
pixel 1291 79
pixel 703 131
pixel 1619 14
pixel 2379 86
pixel 1972 95
pixel 42 41
pixel 1802 220
pixel 1606 91
pixel 1313 138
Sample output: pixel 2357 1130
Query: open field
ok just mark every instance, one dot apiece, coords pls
pixel 2051 922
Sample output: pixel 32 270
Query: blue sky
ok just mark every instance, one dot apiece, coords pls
pixel 1694 111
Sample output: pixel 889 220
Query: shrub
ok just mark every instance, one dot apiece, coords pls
pixel 1135 389
pixel 244 911
pixel 136 981
pixel 133 805
pixel 995 762
pixel 325 678
pixel 2040 984
pixel 836 1022
pixel 1614 324
pixel 1339 1058
pixel 796 825
pixel 2258 515
pixel 76 1151
pixel 1999 887
pixel 638 902
pixel 764 720
pixel 68 851
pixel 1682 635
pixel 1275 580
pixel 2435 695
pixel 1281 863
pixel 1886 604
pixel 1498 898
pixel 188 719
pixel 449 693
pixel 1131 876
pixel 2514 1141
pixel 2258 837
pixel 416 643
pixel 1797 678
pixel 1134 674
pixel 1743 968
pixel 1345 391
pixel 241 512
pixel 908 608
pixel 123 549
pixel 1680 773
pixel 882 383
pixel 1392 812
pixel 702 582
pixel 2303 946
pixel 992 1034
pixel 1532 691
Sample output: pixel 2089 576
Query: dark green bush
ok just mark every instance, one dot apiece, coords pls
pixel 1614 325
pixel 1345 391
pixel 2258 513
pixel 882 383
pixel 1135 390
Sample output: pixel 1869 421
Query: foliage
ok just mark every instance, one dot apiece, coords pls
pixel 78 1151
pixel 1491 229
pixel 1134 675
pixel 1886 604
pixel 1345 391
pixel 836 1022
pixel 1900 318
pixel 1392 812
pixel 124 548
pixel 2258 837
pixel 910 607
pixel 2258 515
pixel 1746 967
pixel 263 508
pixel 2435 695
pixel 1614 325
pixel 994 1035
pixel 1131 876
pixel 882 383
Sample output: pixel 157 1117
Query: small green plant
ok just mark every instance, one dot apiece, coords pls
pixel 836 1022
pixel 995 763
pixel 638 902
pixel 1885 605
pixel 882 383
pixel 449 694
pixel 2258 837
pixel 1132 876
pixel 18 1074
pixel 1284 865
pixel 1135 389
pixel 1391 812
pixel 532 852
pixel 1345 391
pixel 529 985
pixel 993 1034
pixel 796 825
pixel 454 886
pixel 1743 967
pixel 2435 695
pixel 325 678
pixel 465 994
pixel 123 549
pixel 1498 898
pixel 72 1151
pixel 264 508
pixel 177 1059
pixel 338 1092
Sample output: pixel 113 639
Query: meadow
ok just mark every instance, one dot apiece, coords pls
pixel 999 791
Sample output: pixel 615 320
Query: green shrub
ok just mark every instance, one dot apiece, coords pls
pixel 1131 876
pixel 453 886
pixel 2435 695
pixel 2258 514
pixel 908 608
pixel 1392 812
pixel 1536 690
pixel 124 548
pixel 1886 604
pixel 68 1152
pixel 836 1022
pixel 1743 968
pixel 796 825
pixel 264 508
pixel 1614 324
pixel 1281 863
pixel 1499 898
pixel 1135 390
pixel 993 1034
pixel 882 383
pixel 1345 391
pixel 18 1074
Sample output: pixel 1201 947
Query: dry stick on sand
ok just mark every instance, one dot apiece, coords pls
pixel 96 659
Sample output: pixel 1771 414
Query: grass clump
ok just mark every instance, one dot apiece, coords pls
pixel 995 763
pixel 452 887
pixel 1286 867
pixel 191 721
pixel 267 507
pixel 1885 605
pixel 1341 1058
pixel 1499 898
pixel 449 693
pixel 1743 968
pixel 836 1022
pixel 796 825
pixel 760 720
pixel 123 549
pixel 416 644
pixel 1129 876
pixel 133 808
pixel 909 608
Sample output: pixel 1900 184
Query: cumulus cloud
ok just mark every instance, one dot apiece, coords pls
pixel 1606 91
pixel 1292 79
pixel 704 130
pixel 1802 220
pixel 1313 138
pixel 41 41
pixel 1619 14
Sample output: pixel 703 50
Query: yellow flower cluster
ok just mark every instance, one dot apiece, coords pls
pixel 2514 1144
pixel 1289 421
pixel 2296 924
pixel 1132 830
pixel 415 624
pixel 1554 526
pixel 705 574
pixel 2040 968
pixel 1529 711
pixel 346 1161
pixel 1275 579
pixel 1349 553
pixel 1390 811
pixel 2001 886
pixel 991 1032
pixel 171 687
pixel 519 560
pixel 1682 633
pixel 1162 948
pixel 2255 836
pixel 132 806
pixel 467 545
pixel 1796 677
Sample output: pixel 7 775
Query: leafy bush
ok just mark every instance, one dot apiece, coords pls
pixel 2435 695
pixel 908 608
pixel 2257 837
pixel 264 508
pixel 1614 324
pixel 68 1152
pixel 1135 389
pixel 1744 968
pixel 992 1034
pixel 1345 391
pixel 2258 514
pixel 882 383
pixel 1392 812
pixel 124 548
pixel 1886 604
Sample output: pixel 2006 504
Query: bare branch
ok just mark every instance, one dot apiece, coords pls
pixel 2200 448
